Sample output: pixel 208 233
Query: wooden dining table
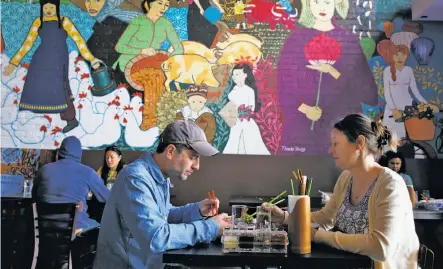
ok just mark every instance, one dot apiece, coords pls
pixel 211 255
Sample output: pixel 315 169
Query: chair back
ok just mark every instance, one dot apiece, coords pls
pixel 425 258
pixel 16 232
pixel 84 249
pixel 54 231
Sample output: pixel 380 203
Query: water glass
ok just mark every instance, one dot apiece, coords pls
pixel 27 188
pixel 426 194
pixel 239 216
pixel 263 218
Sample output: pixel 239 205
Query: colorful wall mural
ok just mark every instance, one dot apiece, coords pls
pixel 259 77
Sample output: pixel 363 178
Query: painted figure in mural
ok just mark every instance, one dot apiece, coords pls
pixel 397 80
pixel 204 21
pixel 109 16
pixel 141 41
pixel 335 63
pixel 47 89
pixel 197 111
pixel 245 137
pixel 239 14
pixel 145 34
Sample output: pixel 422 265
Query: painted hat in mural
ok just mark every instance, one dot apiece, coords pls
pixel 188 133
pixel 197 90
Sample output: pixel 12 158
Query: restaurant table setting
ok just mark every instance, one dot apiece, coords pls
pixel 253 240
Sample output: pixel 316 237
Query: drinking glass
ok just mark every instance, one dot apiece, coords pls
pixel 426 194
pixel 238 216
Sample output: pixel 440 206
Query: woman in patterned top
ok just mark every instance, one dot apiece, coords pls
pixel 369 211
pixel 112 164
pixel 47 89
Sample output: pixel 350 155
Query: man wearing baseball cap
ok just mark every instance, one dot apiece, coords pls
pixel 138 222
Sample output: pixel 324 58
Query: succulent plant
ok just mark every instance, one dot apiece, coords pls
pixel 167 106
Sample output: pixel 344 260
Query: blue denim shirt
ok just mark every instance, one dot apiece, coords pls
pixel 139 223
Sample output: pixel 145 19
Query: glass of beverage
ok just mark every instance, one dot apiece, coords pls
pixel 239 216
pixel 426 194
pixel 27 188
pixel 263 220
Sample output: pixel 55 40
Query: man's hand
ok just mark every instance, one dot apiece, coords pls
pixel 222 224
pixel 208 207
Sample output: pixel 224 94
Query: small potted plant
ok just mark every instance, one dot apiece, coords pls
pixel 419 121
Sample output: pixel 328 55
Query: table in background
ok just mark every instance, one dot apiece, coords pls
pixel 212 255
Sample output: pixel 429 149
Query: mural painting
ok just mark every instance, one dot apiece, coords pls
pixel 259 77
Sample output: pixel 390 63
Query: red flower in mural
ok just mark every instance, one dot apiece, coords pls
pixel 322 50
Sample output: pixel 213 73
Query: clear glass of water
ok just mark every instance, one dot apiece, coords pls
pixel 263 218
pixel 426 194
pixel 27 188
pixel 238 216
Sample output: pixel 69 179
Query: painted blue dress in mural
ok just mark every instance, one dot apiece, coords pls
pixel 47 79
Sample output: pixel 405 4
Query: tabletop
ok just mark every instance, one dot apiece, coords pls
pixel 320 256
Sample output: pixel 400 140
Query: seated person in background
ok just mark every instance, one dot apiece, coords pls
pixel 69 181
pixel 397 163
pixel 112 164
pixel 139 223
pixel 375 197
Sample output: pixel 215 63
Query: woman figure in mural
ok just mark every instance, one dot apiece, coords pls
pixel 397 80
pixel 109 17
pixel 144 36
pixel 47 89
pixel 245 137
pixel 338 66
pixel 204 21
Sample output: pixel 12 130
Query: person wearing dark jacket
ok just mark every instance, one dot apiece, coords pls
pixel 69 181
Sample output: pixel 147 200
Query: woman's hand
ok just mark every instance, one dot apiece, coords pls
pixel 396 114
pixel 312 112
pixel 148 52
pixel 202 11
pixel 277 214
pixel 325 68
pixel 434 108
pixel 96 63
pixel 9 69
pixel 313 232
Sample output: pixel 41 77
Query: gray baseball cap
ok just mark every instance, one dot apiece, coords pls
pixel 188 133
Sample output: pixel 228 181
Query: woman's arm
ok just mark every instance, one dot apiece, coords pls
pixel 380 243
pixel 27 44
pixel 173 38
pixel 124 44
pixel 413 85
pixel 78 39
pixel 387 88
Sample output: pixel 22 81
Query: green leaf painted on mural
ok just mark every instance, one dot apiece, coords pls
pixel 368 46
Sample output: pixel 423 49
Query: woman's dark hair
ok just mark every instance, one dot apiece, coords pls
pixel 105 168
pixel 57 10
pixel 376 134
pixel 250 81
pixel 149 2
pixel 384 160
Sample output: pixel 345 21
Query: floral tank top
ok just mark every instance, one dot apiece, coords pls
pixel 353 219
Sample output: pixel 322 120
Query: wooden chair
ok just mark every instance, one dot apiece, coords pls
pixel 425 258
pixel 54 232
